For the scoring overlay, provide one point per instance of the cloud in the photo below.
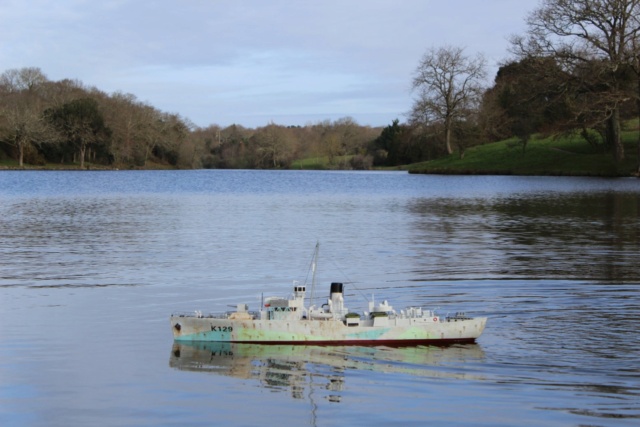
(251, 61)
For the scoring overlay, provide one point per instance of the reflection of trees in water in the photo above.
(561, 236)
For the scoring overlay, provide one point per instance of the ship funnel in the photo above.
(336, 288)
(337, 300)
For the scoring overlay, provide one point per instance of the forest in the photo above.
(65, 123)
(575, 71)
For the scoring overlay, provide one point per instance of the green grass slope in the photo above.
(545, 156)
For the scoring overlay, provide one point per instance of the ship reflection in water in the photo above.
(298, 367)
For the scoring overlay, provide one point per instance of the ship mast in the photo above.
(314, 267)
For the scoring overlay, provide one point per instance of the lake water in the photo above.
(93, 263)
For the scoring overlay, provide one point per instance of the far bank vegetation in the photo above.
(574, 73)
(66, 124)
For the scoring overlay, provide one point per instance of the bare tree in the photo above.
(23, 125)
(21, 108)
(599, 35)
(119, 111)
(22, 79)
(150, 128)
(449, 85)
(274, 146)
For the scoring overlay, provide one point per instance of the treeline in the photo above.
(339, 144)
(67, 123)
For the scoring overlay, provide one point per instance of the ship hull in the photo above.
(327, 332)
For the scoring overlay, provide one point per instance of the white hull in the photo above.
(388, 331)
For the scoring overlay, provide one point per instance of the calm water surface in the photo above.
(93, 263)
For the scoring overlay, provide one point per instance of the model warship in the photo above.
(290, 321)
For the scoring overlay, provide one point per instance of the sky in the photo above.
(253, 62)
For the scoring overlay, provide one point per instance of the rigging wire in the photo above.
(306, 279)
(337, 267)
(348, 280)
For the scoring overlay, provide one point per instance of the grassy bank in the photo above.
(10, 164)
(543, 156)
(569, 156)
